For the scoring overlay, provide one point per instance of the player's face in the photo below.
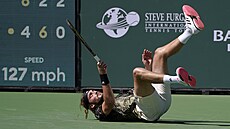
(94, 96)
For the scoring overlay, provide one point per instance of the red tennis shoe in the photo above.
(185, 78)
(192, 19)
(192, 81)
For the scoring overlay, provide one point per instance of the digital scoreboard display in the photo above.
(37, 48)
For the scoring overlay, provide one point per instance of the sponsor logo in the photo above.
(221, 36)
(116, 22)
(164, 22)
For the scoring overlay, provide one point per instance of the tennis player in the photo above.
(151, 96)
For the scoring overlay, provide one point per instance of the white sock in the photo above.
(171, 79)
(185, 36)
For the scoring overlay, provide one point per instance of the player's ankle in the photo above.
(185, 36)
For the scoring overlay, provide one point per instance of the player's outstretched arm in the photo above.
(108, 95)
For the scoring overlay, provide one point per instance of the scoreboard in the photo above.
(37, 48)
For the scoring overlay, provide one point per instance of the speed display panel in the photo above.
(36, 46)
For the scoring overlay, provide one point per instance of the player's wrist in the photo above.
(102, 72)
(104, 79)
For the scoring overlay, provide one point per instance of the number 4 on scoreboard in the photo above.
(26, 32)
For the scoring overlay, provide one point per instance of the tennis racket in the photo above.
(82, 40)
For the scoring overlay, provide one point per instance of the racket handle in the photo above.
(97, 58)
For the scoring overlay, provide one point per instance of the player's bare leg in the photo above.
(158, 74)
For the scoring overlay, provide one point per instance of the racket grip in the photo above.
(97, 58)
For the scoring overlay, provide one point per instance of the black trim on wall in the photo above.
(78, 72)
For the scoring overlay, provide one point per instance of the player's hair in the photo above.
(85, 103)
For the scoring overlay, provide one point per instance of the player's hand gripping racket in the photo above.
(82, 41)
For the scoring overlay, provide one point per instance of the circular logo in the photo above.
(116, 22)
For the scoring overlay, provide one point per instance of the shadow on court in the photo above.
(194, 122)
(180, 122)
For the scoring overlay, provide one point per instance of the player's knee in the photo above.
(137, 72)
(160, 53)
